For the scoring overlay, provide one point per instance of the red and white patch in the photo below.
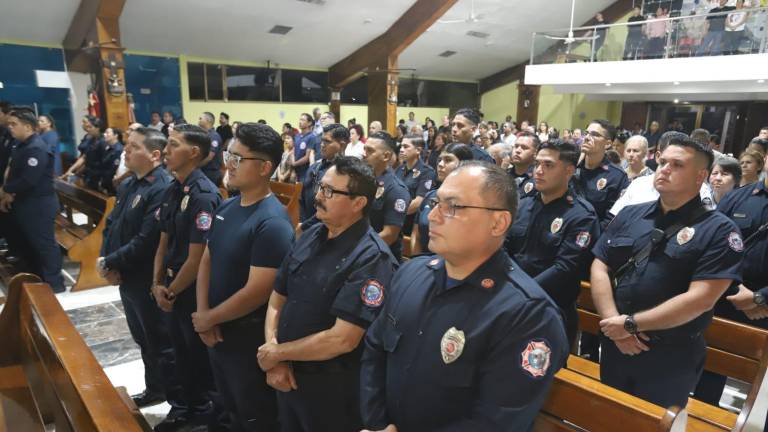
(735, 241)
(582, 239)
(372, 293)
(203, 221)
(487, 283)
(535, 358)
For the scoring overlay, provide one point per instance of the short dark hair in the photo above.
(729, 165)
(622, 136)
(154, 112)
(330, 114)
(700, 135)
(209, 116)
(762, 143)
(153, 138)
(764, 128)
(531, 135)
(470, 114)
(25, 115)
(338, 132)
(697, 147)
(225, 115)
(260, 138)
(50, 120)
(667, 137)
(567, 151)
(95, 122)
(261, 121)
(387, 138)
(362, 181)
(310, 117)
(460, 150)
(498, 183)
(416, 140)
(609, 128)
(196, 136)
(5, 107)
(118, 132)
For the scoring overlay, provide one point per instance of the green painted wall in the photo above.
(498, 103)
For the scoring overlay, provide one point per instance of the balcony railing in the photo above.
(654, 38)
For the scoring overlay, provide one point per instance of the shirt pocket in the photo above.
(620, 250)
(391, 338)
(744, 223)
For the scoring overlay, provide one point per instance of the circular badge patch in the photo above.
(372, 293)
(400, 205)
(32, 162)
(536, 358)
(203, 221)
(735, 242)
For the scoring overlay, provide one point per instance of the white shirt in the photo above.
(356, 150)
(157, 127)
(511, 139)
(641, 190)
(121, 169)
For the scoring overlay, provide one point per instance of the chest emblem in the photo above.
(135, 202)
(372, 293)
(379, 192)
(535, 358)
(452, 345)
(416, 173)
(184, 202)
(735, 242)
(528, 187)
(32, 162)
(556, 225)
(487, 283)
(685, 235)
(601, 183)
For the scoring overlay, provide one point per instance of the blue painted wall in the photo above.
(155, 84)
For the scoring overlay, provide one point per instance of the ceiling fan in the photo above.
(471, 19)
(571, 38)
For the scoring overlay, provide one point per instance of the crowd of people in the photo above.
(246, 321)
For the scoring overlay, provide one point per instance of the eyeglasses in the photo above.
(234, 159)
(448, 210)
(595, 134)
(328, 191)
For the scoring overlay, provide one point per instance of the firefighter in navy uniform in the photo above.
(211, 165)
(554, 231)
(466, 341)
(333, 141)
(130, 240)
(28, 196)
(522, 163)
(185, 217)
(387, 214)
(329, 289)
(416, 175)
(249, 237)
(659, 269)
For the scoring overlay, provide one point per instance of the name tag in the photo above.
(219, 217)
(739, 215)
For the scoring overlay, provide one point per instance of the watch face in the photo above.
(759, 299)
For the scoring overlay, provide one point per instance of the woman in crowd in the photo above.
(725, 176)
(450, 158)
(285, 171)
(543, 132)
(47, 130)
(635, 153)
(436, 147)
(90, 147)
(356, 146)
(751, 164)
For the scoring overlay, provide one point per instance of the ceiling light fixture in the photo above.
(607, 84)
(676, 83)
(676, 101)
(760, 81)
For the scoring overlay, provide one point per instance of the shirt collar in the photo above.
(350, 235)
(603, 164)
(683, 213)
(488, 276)
(193, 177)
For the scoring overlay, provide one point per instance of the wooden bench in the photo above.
(579, 403)
(290, 195)
(733, 349)
(48, 376)
(82, 242)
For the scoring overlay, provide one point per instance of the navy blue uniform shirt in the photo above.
(418, 180)
(324, 279)
(601, 186)
(30, 172)
(473, 355)
(389, 207)
(710, 248)
(303, 143)
(132, 230)
(525, 185)
(479, 153)
(552, 243)
(258, 235)
(6, 143)
(748, 208)
(309, 187)
(105, 167)
(186, 216)
(93, 150)
(213, 168)
(422, 220)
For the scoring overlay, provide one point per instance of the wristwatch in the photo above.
(758, 298)
(630, 325)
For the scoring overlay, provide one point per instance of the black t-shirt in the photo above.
(717, 23)
(258, 235)
(635, 29)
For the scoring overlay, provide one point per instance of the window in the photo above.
(305, 86)
(214, 78)
(253, 84)
(356, 92)
(196, 81)
(422, 93)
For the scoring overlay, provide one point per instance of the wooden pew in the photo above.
(579, 403)
(289, 194)
(48, 376)
(83, 242)
(733, 349)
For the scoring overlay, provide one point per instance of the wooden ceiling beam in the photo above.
(96, 23)
(415, 21)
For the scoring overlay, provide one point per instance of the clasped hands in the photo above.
(626, 342)
(279, 373)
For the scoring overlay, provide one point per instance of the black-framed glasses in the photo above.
(328, 191)
(234, 159)
(448, 209)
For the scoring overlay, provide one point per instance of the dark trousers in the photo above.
(191, 355)
(632, 46)
(34, 218)
(149, 328)
(664, 375)
(324, 401)
(247, 399)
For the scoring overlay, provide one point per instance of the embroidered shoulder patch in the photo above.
(32, 162)
(535, 358)
(400, 205)
(203, 221)
(582, 239)
(735, 242)
(372, 293)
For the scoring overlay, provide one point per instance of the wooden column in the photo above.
(528, 104)
(382, 93)
(92, 45)
(335, 105)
